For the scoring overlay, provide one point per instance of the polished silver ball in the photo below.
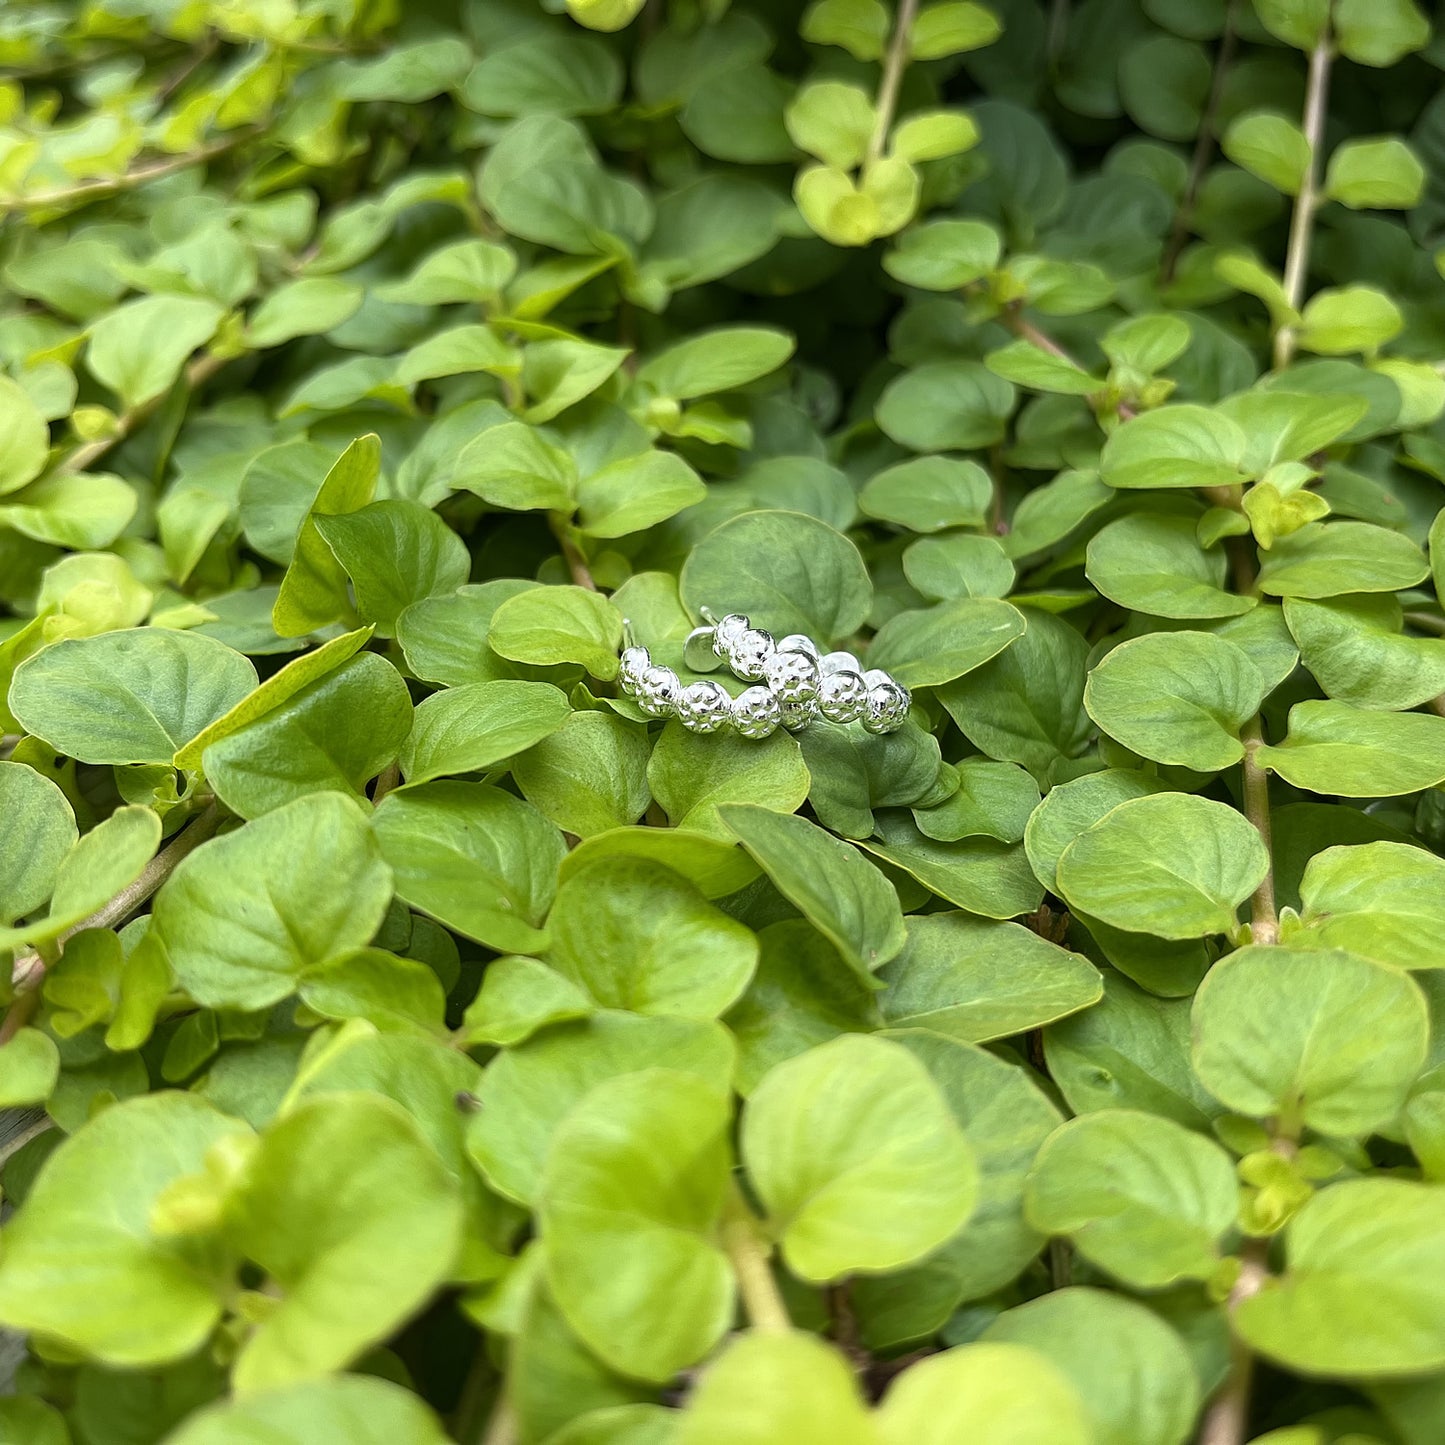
(797, 642)
(887, 708)
(842, 696)
(727, 632)
(748, 653)
(634, 662)
(703, 707)
(838, 662)
(792, 675)
(756, 712)
(657, 691)
(799, 712)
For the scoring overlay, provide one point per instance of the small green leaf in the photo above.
(1338, 321)
(589, 775)
(1139, 1196)
(138, 349)
(471, 728)
(1333, 748)
(1156, 565)
(1177, 697)
(1365, 1249)
(559, 624)
(840, 893)
(1382, 901)
(946, 406)
(29, 1067)
(692, 777)
(630, 933)
(1382, 175)
(24, 438)
(1354, 647)
(630, 1200)
(1379, 32)
(1172, 864)
(1326, 559)
(856, 1158)
(1174, 447)
(937, 645)
(1270, 147)
(41, 832)
(950, 28)
(833, 121)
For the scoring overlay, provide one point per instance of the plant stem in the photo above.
(1302, 224)
(576, 558)
(502, 1427)
(1227, 1419)
(748, 1253)
(1203, 149)
(129, 180)
(1027, 331)
(1426, 623)
(388, 778)
(1263, 915)
(198, 373)
(893, 66)
(29, 968)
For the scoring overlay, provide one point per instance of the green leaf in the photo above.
(692, 777)
(935, 646)
(1333, 748)
(636, 493)
(589, 775)
(630, 933)
(1379, 900)
(1270, 147)
(351, 1214)
(1176, 697)
(833, 121)
(958, 566)
(1381, 175)
(713, 361)
(518, 996)
(999, 1391)
(1368, 1249)
(471, 728)
(32, 849)
(1309, 1037)
(464, 271)
(979, 874)
(455, 352)
(559, 624)
(944, 255)
(974, 980)
(335, 735)
(1355, 649)
(29, 1067)
(1300, 23)
(1379, 32)
(1326, 559)
(107, 859)
(1026, 705)
(839, 892)
(946, 406)
(785, 571)
(307, 878)
(631, 1195)
(138, 349)
(552, 73)
(1025, 363)
(313, 591)
(932, 135)
(854, 771)
(308, 306)
(528, 1090)
(24, 438)
(396, 553)
(856, 1158)
(515, 466)
(1174, 447)
(132, 696)
(1146, 343)
(1074, 806)
(929, 494)
(476, 859)
(1156, 565)
(951, 27)
(361, 1409)
(83, 1260)
(1172, 864)
(278, 689)
(1129, 1051)
(993, 800)
(1131, 1370)
(557, 374)
(861, 27)
(1139, 1196)
(398, 995)
(1338, 321)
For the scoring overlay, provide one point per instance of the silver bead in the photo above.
(797, 642)
(756, 712)
(888, 705)
(842, 696)
(727, 631)
(657, 691)
(633, 663)
(703, 707)
(747, 653)
(793, 676)
(838, 662)
(799, 712)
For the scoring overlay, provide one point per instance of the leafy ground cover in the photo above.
(432, 1046)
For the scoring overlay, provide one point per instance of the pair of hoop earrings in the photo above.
(795, 683)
